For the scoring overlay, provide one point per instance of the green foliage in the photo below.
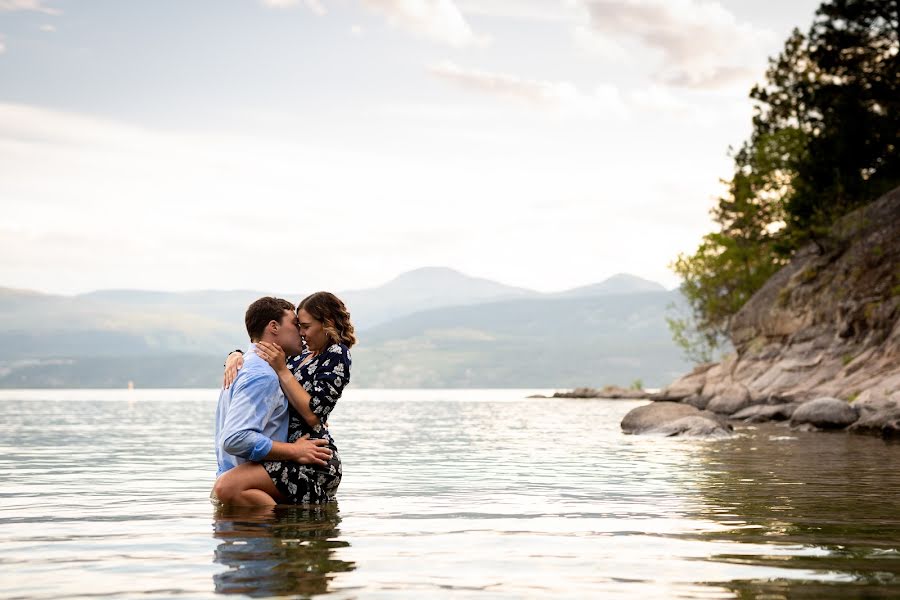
(824, 142)
(637, 384)
(840, 86)
(697, 345)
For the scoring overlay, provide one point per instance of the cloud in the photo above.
(562, 96)
(657, 99)
(314, 5)
(566, 99)
(437, 20)
(528, 10)
(702, 44)
(603, 46)
(48, 28)
(73, 186)
(27, 5)
(2, 45)
(85, 194)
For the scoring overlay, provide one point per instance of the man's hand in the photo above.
(312, 452)
(234, 362)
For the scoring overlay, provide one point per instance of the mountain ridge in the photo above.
(487, 338)
(412, 291)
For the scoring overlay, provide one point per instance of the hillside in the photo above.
(826, 325)
(424, 289)
(473, 333)
(564, 342)
(621, 283)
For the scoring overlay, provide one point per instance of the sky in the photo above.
(334, 144)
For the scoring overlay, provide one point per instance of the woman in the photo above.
(312, 382)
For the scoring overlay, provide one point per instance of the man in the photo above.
(252, 414)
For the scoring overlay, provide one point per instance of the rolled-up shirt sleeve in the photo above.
(247, 416)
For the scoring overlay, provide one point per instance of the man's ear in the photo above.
(272, 327)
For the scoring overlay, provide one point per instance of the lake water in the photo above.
(459, 493)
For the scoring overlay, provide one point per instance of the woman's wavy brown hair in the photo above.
(329, 310)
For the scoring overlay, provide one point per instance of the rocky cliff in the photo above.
(826, 326)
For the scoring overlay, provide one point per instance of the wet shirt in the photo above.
(250, 414)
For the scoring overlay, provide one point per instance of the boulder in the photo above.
(697, 400)
(870, 403)
(693, 426)
(825, 413)
(878, 416)
(731, 400)
(650, 416)
(720, 419)
(717, 379)
(686, 386)
(765, 412)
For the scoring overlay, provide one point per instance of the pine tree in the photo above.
(824, 142)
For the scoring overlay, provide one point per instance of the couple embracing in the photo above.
(272, 440)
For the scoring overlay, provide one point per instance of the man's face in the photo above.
(288, 335)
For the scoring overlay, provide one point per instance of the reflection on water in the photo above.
(445, 495)
(277, 551)
(828, 500)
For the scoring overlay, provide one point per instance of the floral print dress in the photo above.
(323, 377)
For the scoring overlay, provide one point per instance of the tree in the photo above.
(734, 262)
(824, 141)
(840, 85)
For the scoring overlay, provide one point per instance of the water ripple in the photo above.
(445, 493)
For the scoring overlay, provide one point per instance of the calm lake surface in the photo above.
(459, 493)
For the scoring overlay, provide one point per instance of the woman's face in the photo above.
(312, 331)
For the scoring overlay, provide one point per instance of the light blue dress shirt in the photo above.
(251, 414)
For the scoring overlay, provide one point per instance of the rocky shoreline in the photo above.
(817, 346)
(609, 392)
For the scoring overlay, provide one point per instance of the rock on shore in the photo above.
(826, 413)
(613, 392)
(819, 343)
(674, 418)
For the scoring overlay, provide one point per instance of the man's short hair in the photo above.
(262, 312)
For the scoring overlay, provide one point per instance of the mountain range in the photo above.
(432, 327)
